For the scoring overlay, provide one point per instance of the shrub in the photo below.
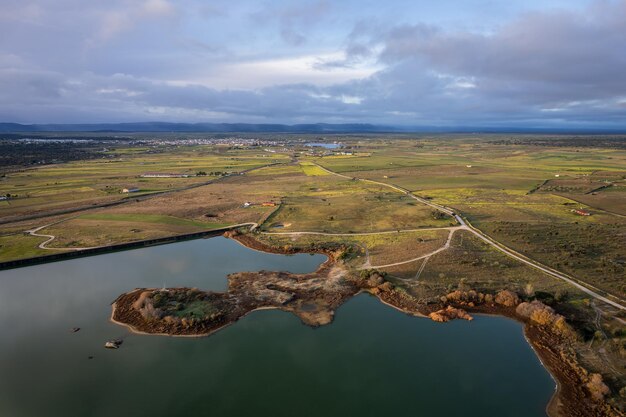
(507, 298)
(543, 315)
(375, 280)
(529, 290)
(528, 308)
(148, 311)
(159, 299)
(597, 387)
(561, 295)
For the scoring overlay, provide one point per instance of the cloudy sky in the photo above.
(530, 63)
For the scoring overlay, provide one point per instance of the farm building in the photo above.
(268, 204)
(130, 190)
(581, 212)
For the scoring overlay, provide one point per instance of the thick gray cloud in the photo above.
(77, 61)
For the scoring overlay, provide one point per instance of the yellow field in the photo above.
(312, 170)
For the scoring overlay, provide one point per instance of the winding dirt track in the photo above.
(43, 245)
(388, 232)
(584, 287)
(428, 255)
(367, 264)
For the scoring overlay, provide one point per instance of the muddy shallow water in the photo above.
(372, 361)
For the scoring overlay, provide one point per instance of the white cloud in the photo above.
(351, 99)
(255, 74)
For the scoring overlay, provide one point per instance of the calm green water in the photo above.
(372, 361)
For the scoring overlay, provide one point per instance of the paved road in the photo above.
(586, 288)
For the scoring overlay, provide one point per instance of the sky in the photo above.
(530, 63)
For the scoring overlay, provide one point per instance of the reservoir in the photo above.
(324, 145)
(371, 361)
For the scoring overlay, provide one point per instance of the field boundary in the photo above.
(125, 200)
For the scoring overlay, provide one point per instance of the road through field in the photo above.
(584, 287)
(388, 232)
(43, 245)
(125, 200)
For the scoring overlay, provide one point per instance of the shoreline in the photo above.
(557, 367)
(569, 398)
(566, 400)
(551, 408)
(134, 330)
(417, 314)
(551, 411)
(117, 247)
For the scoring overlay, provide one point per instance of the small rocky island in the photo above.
(313, 297)
(190, 311)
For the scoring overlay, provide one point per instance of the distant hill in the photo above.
(282, 128)
(196, 127)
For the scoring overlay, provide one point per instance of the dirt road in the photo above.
(464, 224)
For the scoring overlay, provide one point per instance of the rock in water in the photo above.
(113, 344)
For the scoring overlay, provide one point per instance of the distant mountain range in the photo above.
(282, 128)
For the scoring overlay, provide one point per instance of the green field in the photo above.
(20, 246)
(56, 187)
(150, 218)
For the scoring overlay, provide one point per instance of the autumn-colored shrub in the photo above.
(507, 298)
(597, 387)
(537, 311)
(543, 315)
